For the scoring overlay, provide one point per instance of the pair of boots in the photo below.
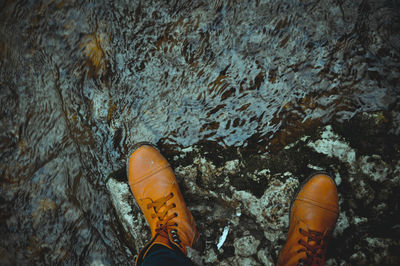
(313, 213)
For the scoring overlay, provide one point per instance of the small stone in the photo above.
(263, 172)
(341, 225)
(231, 167)
(360, 220)
(210, 256)
(194, 256)
(358, 258)
(376, 169)
(363, 191)
(246, 246)
(188, 149)
(208, 172)
(344, 263)
(264, 257)
(338, 179)
(245, 262)
(131, 219)
(331, 262)
(96, 263)
(333, 146)
(272, 209)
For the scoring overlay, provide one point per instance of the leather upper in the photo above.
(312, 219)
(153, 182)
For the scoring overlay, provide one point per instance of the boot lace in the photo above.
(313, 247)
(164, 221)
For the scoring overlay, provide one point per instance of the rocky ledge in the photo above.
(240, 197)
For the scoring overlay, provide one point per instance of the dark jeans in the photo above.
(159, 255)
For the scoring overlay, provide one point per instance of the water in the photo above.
(81, 82)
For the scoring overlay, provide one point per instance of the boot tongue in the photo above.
(162, 239)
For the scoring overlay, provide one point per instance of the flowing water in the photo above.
(81, 81)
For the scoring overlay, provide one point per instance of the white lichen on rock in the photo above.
(130, 217)
(332, 145)
(220, 203)
(374, 167)
(271, 210)
(341, 225)
(264, 257)
(231, 167)
(246, 246)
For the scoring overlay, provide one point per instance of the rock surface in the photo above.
(244, 98)
(227, 194)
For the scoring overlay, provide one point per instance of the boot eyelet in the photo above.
(176, 214)
(172, 194)
(173, 205)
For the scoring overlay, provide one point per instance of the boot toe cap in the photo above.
(322, 189)
(144, 161)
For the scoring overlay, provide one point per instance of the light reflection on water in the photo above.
(81, 82)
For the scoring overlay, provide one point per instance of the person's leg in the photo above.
(161, 255)
(313, 217)
(157, 193)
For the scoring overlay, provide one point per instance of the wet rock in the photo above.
(333, 145)
(363, 191)
(341, 225)
(358, 221)
(130, 216)
(358, 258)
(338, 179)
(209, 173)
(218, 201)
(210, 257)
(231, 167)
(381, 251)
(189, 174)
(264, 258)
(376, 169)
(395, 178)
(331, 262)
(246, 262)
(239, 261)
(246, 246)
(80, 86)
(5, 257)
(271, 211)
(195, 256)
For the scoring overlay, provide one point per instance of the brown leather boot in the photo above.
(313, 217)
(157, 193)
